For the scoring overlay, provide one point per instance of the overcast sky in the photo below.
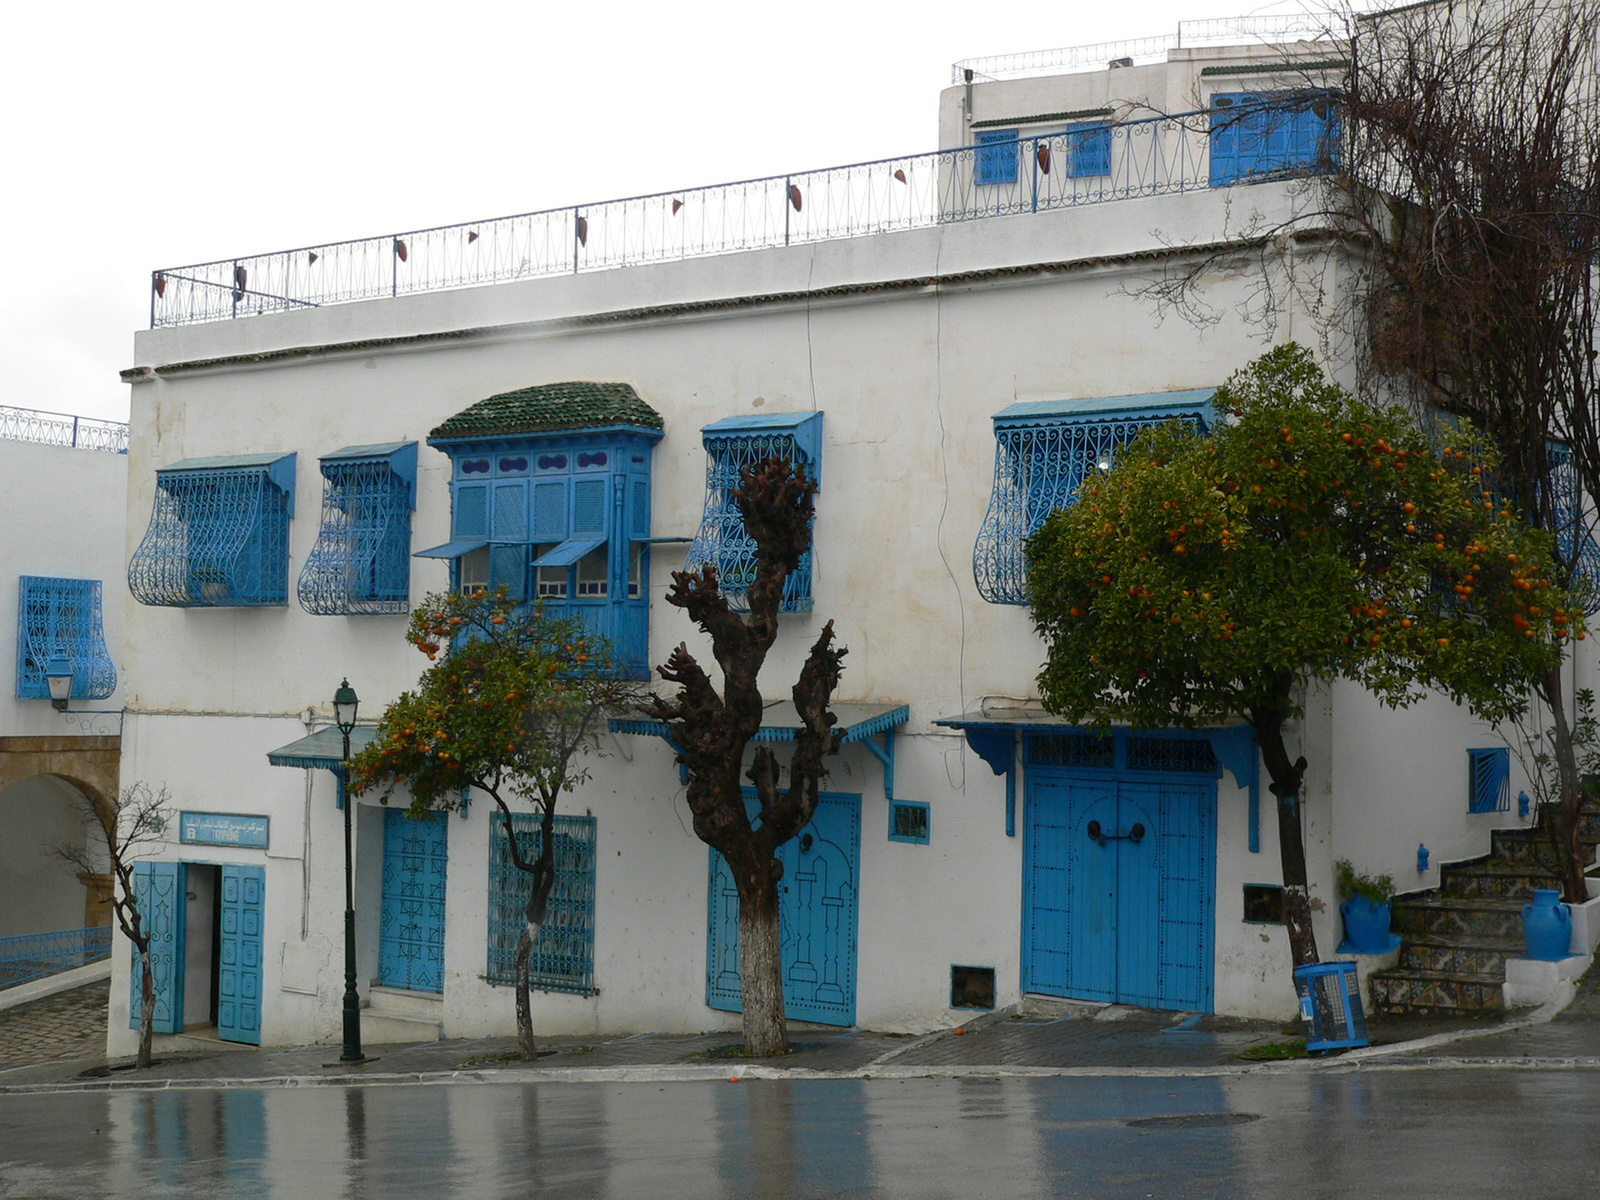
(145, 135)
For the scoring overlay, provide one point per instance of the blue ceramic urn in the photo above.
(1366, 925)
(1546, 925)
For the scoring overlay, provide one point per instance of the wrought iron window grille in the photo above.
(1072, 750)
(909, 821)
(722, 541)
(361, 563)
(1489, 780)
(1044, 451)
(62, 617)
(219, 534)
(563, 955)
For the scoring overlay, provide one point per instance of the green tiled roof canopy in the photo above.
(551, 406)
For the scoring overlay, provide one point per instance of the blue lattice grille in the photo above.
(218, 536)
(1072, 750)
(1489, 780)
(61, 617)
(563, 957)
(1193, 755)
(722, 541)
(1038, 468)
(361, 563)
(1575, 541)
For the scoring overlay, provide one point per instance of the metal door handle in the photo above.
(805, 843)
(1134, 835)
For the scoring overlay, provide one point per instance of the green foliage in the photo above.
(1377, 888)
(1311, 536)
(517, 699)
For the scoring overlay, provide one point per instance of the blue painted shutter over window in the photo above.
(219, 534)
(1090, 150)
(563, 955)
(470, 505)
(1489, 780)
(1262, 134)
(160, 891)
(1043, 452)
(361, 563)
(996, 156)
(722, 542)
(1575, 541)
(62, 617)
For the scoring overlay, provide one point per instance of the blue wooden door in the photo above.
(239, 954)
(411, 930)
(161, 889)
(817, 906)
(1111, 916)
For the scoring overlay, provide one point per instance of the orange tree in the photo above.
(1309, 536)
(518, 699)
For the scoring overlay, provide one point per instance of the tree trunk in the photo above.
(1286, 779)
(1566, 830)
(525, 1042)
(761, 965)
(147, 1007)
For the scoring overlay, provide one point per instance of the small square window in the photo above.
(908, 821)
(552, 581)
(1263, 904)
(972, 987)
(636, 571)
(594, 573)
(474, 570)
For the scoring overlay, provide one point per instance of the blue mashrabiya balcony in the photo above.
(550, 500)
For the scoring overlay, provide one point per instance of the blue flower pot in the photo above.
(1546, 926)
(1366, 925)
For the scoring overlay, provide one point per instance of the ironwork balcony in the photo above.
(34, 955)
(62, 429)
(1149, 157)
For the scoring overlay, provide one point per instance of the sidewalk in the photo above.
(1049, 1037)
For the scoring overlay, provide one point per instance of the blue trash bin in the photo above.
(1330, 1006)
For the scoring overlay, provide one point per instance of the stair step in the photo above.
(1494, 880)
(1524, 845)
(1471, 919)
(1436, 991)
(400, 1002)
(1453, 955)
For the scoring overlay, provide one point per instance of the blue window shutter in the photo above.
(1260, 134)
(550, 510)
(1576, 547)
(509, 521)
(471, 511)
(1090, 150)
(996, 156)
(589, 507)
(160, 890)
(563, 957)
(508, 568)
(62, 617)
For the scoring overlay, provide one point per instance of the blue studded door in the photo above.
(239, 954)
(411, 931)
(1118, 890)
(817, 903)
(159, 889)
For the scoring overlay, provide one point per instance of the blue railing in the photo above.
(62, 429)
(34, 955)
(1133, 158)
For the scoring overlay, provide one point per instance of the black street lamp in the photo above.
(344, 716)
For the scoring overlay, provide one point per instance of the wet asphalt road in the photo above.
(1436, 1133)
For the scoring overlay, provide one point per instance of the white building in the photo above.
(321, 437)
(61, 546)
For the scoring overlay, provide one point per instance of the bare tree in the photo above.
(128, 828)
(714, 729)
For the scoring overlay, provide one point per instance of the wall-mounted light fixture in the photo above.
(58, 674)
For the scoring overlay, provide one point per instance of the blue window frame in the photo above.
(361, 563)
(722, 540)
(1575, 540)
(995, 156)
(563, 957)
(1489, 780)
(1044, 451)
(61, 618)
(561, 517)
(909, 821)
(219, 534)
(1088, 150)
(1256, 135)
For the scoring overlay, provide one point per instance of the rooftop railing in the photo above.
(1220, 31)
(34, 955)
(1084, 164)
(62, 429)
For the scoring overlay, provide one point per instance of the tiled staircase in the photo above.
(1458, 937)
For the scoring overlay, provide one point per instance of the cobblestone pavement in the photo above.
(64, 1026)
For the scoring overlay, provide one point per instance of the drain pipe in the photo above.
(309, 718)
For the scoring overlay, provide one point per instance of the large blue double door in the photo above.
(1119, 889)
(411, 925)
(817, 904)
